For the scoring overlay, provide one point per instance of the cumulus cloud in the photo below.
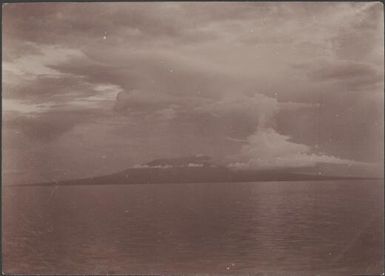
(266, 148)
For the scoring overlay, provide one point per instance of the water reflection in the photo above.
(245, 227)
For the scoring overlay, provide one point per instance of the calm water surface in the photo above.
(328, 227)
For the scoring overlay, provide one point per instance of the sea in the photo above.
(259, 228)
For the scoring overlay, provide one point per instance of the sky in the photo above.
(94, 88)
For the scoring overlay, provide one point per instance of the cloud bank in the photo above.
(124, 83)
(266, 148)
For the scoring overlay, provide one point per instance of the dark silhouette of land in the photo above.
(194, 169)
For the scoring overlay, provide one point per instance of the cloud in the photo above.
(49, 124)
(17, 106)
(168, 113)
(177, 78)
(37, 63)
(257, 108)
(141, 100)
(32, 79)
(44, 128)
(344, 70)
(363, 21)
(49, 88)
(146, 22)
(266, 148)
(354, 75)
(197, 160)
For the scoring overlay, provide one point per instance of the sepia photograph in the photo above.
(193, 138)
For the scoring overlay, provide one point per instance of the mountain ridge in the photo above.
(209, 174)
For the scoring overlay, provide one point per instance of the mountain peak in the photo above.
(198, 160)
